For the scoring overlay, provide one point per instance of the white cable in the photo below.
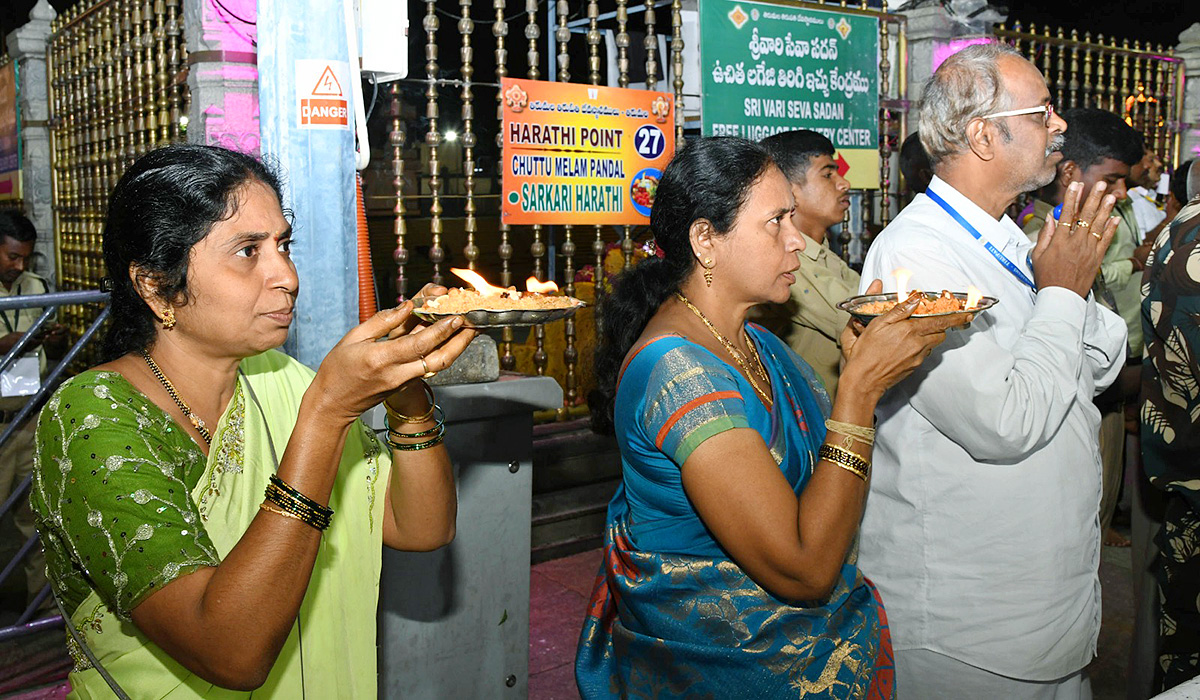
(362, 146)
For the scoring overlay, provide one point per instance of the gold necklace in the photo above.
(196, 420)
(759, 367)
(736, 354)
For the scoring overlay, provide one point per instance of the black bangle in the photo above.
(295, 510)
(289, 490)
(285, 500)
(434, 442)
(270, 508)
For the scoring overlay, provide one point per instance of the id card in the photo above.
(23, 378)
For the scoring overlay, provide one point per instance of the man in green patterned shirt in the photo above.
(1170, 441)
(813, 323)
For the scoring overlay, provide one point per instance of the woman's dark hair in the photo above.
(709, 179)
(165, 203)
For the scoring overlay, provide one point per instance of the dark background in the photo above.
(14, 13)
(1156, 21)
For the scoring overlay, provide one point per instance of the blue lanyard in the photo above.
(1008, 264)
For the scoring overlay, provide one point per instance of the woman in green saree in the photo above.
(182, 577)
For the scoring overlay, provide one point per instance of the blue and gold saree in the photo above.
(671, 614)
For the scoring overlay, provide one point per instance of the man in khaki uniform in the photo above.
(813, 324)
(17, 238)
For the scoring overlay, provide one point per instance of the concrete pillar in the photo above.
(27, 47)
(1189, 50)
(929, 28)
(223, 74)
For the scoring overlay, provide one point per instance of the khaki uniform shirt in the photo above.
(1041, 212)
(822, 281)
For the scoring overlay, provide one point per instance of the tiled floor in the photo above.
(559, 592)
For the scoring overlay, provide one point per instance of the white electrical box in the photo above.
(383, 36)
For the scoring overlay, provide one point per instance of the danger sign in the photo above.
(322, 95)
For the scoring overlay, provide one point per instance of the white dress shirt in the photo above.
(1145, 208)
(981, 528)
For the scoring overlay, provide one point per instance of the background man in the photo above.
(1100, 147)
(17, 237)
(914, 164)
(814, 324)
(980, 529)
(1170, 440)
(1143, 180)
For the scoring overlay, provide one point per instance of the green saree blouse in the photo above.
(127, 502)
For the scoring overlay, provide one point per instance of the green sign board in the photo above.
(767, 67)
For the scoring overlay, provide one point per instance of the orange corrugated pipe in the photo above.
(366, 274)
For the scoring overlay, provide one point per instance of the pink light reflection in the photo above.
(230, 25)
(943, 51)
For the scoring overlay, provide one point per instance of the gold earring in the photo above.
(168, 318)
(708, 265)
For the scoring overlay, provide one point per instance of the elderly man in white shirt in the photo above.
(981, 528)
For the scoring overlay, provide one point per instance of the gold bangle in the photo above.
(851, 462)
(288, 514)
(274, 482)
(851, 432)
(401, 418)
(291, 504)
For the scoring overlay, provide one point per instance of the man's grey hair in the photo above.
(1193, 181)
(967, 86)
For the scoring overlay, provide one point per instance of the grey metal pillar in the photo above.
(929, 27)
(27, 47)
(1189, 50)
(455, 623)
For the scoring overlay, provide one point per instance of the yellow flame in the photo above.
(533, 285)
(902, 276)
(478, 282)
(973, 296)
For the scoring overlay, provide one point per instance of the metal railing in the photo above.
(1141, 83)
(117, 78)
(442, 195)
(49, 303)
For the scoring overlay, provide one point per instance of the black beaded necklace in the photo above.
(196, 420)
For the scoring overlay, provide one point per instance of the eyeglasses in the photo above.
(1047, 109)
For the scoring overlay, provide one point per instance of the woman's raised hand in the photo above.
(383, 354)
(881, 354)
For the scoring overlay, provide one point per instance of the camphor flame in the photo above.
(902, 276)
(973, 296)
(478, 282)
(481, 285)
(532, 285)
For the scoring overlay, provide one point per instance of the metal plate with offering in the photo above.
(487, 306)
(865, 307)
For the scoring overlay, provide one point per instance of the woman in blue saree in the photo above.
(729, 564)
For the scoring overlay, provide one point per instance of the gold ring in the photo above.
(425, 367)
(1096, 234)
(1082, 223)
